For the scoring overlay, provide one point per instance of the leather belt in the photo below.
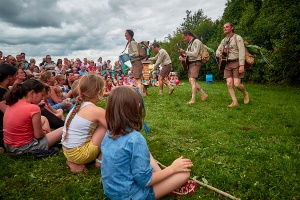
(232, 60)
(190, 62)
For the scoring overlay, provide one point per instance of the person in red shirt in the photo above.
(29, 131)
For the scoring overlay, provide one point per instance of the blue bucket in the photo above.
(209, 78)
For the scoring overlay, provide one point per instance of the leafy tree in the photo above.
(273, 25)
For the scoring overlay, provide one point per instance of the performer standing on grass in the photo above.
(193, 59)
(234, 49)
(162, 57)
(137, 65)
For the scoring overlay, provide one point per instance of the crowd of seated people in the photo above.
(61, 79)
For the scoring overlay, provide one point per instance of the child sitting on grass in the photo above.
(59, 112)
(85, 125)
(59, 93)
(128, 169)
(108, 87)
(25, 130)
(61, 80)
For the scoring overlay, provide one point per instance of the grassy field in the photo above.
(250, 152)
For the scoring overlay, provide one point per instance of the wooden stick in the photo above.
(208, 186)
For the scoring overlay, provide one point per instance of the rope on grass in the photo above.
(208, 186)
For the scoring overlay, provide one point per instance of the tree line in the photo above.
(273, 25)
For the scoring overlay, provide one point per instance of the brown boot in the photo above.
(193, 100)
(246, 98)
(171, 89)
(233, 104)
(204, 96)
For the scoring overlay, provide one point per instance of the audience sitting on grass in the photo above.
(20, 76)
(54, 117)
(92, 67)
(73, 93)
(60, 69)
(85, 125)
(128, 169)
(57, 103)
(30, 131)
(58, 76)
(7, 79)
(59, 112)
(108, 86)
(154, 81)
(83, 70)
(60, 81)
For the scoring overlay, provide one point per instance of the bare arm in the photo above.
(51, 109)
(37, 126)
(69, 94)
(153, 58)
(101, 117)
(54, 96)
(179, 165)
(3, 106)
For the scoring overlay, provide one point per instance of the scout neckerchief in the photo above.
(190, 44)
(226, 46)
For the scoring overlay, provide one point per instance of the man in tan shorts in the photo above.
(192, 54)
(137, 65)
(162, 58)
(233, 48)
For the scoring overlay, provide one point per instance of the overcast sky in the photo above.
(90, 28)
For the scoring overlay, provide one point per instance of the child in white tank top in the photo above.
(85, 125)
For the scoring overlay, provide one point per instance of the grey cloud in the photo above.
(31, 14)
(89, 28)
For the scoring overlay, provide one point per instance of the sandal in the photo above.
(188, 188)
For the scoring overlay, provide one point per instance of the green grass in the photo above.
(250, 152)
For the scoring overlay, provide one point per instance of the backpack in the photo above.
(205, 57)
(249, 58)
(143, 48)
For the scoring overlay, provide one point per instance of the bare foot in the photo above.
(75, 167)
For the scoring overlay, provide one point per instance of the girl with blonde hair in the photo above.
(85, 125)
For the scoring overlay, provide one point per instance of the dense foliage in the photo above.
(271, 24)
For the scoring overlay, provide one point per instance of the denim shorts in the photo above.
(61, 105)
